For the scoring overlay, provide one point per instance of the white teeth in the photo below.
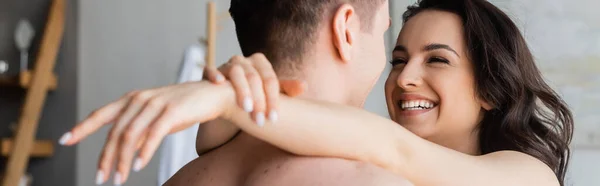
(417, 105)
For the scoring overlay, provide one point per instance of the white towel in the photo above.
(180, 148)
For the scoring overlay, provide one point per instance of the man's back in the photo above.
(247, 161)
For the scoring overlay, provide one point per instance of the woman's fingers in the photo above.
(133, 108)
(156, 133)
(107, 158)
(133, 135)
(141, 142)
(242, 88)
(213, 75)
(97, 119)
(258, 93)
(269, 80)
(236, 70)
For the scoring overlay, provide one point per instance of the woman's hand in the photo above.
(256, 85)
(143, 118)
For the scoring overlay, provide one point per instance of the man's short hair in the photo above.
(285, 29)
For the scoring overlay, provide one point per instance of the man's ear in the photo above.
(345, 28)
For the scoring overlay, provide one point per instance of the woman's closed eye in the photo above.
(401, 61)
(438, 60)
(398, 61)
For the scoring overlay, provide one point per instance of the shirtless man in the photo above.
(335, 46)
(315, 46)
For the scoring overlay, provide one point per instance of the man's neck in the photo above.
(324, 84)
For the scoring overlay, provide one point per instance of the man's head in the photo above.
(339, 41)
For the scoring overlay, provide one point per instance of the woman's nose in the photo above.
(411, 77)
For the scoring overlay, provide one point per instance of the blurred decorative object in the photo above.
(192, 66)
(24, 142)
(211, 33)
(3, 67)
(23, 36)
(26, 180)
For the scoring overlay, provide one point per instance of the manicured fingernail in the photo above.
(273, 117)
(248, 104)
(260, 119)
(220, 78)
(65, 138)
(117, 179)
(137, 165)
(99, 178)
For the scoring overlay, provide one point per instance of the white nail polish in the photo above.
(65, 138)
(260, 119)
(117, 179)
(248, 104)
(137, 165)
(273, 117)
(99, 178)
(220, 78)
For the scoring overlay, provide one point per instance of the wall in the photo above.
(135, 44)
(564, 37)
(60, 108)
(376, 101)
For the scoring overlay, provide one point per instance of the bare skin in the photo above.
(325, 129)
(343, 48)
(248, 161)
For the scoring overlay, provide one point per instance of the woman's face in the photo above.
(431, 88)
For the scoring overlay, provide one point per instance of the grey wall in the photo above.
(135, 44)
(60, 108)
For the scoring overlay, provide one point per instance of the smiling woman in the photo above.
(468, 105)
(464, 79)
(495, 86)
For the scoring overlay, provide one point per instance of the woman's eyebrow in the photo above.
(437, 46)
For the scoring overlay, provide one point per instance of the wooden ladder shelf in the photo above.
(37, 83)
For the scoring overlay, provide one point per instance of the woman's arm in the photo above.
(314, 128)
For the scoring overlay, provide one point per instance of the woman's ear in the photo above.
(485, 105)
(345, 22)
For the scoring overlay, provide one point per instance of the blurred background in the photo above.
(112, 47)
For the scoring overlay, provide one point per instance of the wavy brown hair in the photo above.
(528, 116)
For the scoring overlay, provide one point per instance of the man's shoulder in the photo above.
(331, 171)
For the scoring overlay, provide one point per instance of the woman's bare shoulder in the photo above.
(526, 167)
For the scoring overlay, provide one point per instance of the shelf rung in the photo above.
(40, 148)
(24, 80)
